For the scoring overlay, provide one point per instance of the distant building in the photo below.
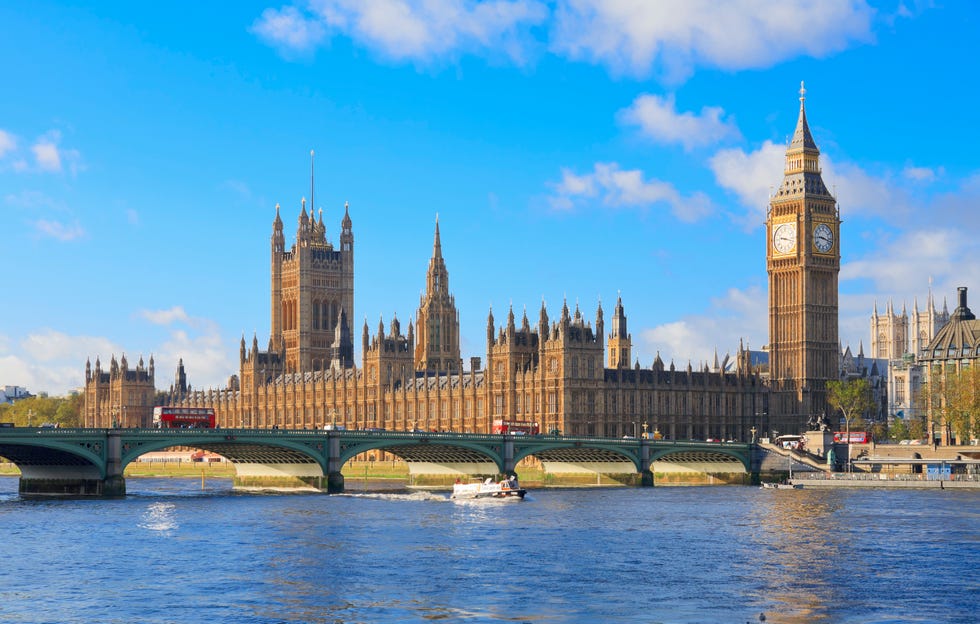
(12, 394)
(954, 348)
(901, 339)
(875, 371)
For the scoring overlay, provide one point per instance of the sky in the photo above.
(572, 150)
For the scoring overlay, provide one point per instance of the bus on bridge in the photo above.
(165, 417)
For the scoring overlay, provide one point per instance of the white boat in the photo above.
(506, 489)
(782, 486)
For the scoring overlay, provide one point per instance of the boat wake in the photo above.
(421, 496)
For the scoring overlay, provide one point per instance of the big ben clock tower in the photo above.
(803, 261)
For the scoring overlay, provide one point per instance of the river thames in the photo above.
(172, 552)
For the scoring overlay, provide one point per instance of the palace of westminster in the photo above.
(563, 372)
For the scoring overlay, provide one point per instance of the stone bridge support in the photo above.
(646, 475)
(508, 456)
(335, 480)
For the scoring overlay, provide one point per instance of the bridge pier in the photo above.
(646, 475)
(77, 480)
(509, 463)
(335, 480)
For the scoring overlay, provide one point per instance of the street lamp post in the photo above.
(645, 426)
(634, 429)
(753, 432)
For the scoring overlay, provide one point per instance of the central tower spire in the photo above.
(437, 320)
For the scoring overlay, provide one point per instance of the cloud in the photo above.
(50, 361)
(54, 362)
(415, 30)
(288, 30)
(739, 314)
(7, 143)
(674, 37)
(615, 187)
(658, 119)
(165, 317)
(58, 230)
(46, 156)
(921, 174)
(751, 176)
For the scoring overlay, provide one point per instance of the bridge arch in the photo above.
(702, 455)
(433, 454)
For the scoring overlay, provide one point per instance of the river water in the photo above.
(172, 552)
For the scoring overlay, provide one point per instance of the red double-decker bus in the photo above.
(165, 417)
(515, 427)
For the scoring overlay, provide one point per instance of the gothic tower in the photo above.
(312, 294)
(437, 342)
(803, 262)
(620, 341)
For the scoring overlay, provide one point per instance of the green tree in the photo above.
(69, 413)
(35, 411)
(852, 398)
(917, 429)
(899, 429)
(962, 399)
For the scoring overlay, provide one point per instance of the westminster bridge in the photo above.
(90, 462)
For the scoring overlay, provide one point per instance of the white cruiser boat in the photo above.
(507, 489)
(782, 486)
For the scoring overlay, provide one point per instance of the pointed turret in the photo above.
(490, 329)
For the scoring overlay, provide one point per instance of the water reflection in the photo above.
(159, 517)
(798, 554)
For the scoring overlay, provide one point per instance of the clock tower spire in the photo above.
(803, 263)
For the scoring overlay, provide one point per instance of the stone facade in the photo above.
(120, 396)
(551, 373)
(803, 263)
(901, 338)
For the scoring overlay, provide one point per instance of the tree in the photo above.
(899, 429)
(851, 398)
(962, 400)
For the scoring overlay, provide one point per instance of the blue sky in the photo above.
(578, 149)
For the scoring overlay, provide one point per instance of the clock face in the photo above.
(823, 238)
(784, 237)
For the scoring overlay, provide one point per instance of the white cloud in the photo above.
(208, 357)
(59, 230)
(901, 266)
(46, 156)
(7, 143)
(165, 317)
(48, 345)
(416, 30)
(739, 314)
(750, 176)
(50, 361)
(659, 120)
(617, 187)
(921, 174)
(635, 37)
(54, 362)
(289, 30)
